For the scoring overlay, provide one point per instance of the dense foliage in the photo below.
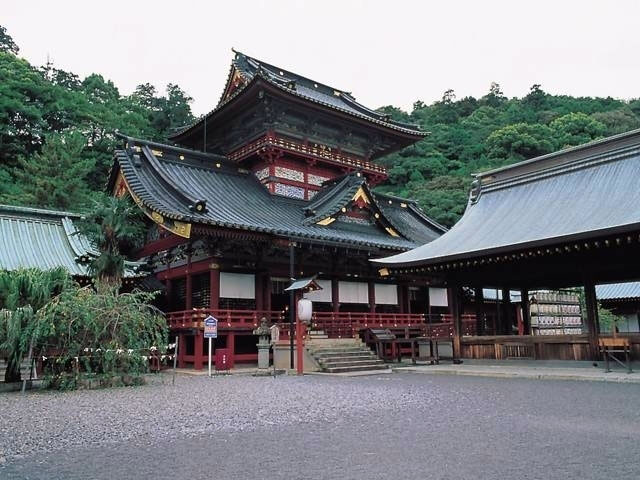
(103, 334)
(115, 226)
(22, 294)
(471, 135)
(53, 121)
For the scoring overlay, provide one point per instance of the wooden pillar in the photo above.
(593, 322)
(267, 292)
(335, 294)
(372, 296)
(182, 349)
(214, 287)
(231, 346)
(189, 290)
(507, 320)
(188, 300)
(401, 299)
(198, 354)
(168, 286)
(479, 307)
(455, 307)
(259, 293)
(497, 324)
(526, 311)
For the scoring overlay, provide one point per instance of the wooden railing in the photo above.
(334, 324)
(248, 319)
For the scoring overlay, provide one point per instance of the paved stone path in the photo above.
(403, 426)
(528, 370)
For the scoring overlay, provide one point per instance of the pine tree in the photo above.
(56, 177)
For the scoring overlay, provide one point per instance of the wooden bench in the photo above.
(612, 345)
(384, 342)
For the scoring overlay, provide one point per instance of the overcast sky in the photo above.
(384, 52)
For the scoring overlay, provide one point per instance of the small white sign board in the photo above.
(210, 327)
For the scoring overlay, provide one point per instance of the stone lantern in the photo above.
(264, 345)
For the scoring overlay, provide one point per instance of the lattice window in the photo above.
(200, 291)
(316, 179)
(262, 174)
(289, 174)
(289, 190)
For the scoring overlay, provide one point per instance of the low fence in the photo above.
(536, 347)
(334, 324)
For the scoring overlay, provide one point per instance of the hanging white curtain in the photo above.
(237, 285)
(323, 295)
(353, 292)
(386, 294)
(438, 297)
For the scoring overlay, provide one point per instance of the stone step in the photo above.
(357, 363)
(355, 353)
(352, 358)
(314, 351)
(362, 368)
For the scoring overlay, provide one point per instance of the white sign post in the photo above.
(210, 331)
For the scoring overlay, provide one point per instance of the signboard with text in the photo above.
(210, 327)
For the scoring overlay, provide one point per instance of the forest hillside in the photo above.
(57, 134)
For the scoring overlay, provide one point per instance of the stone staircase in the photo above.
(343, 355)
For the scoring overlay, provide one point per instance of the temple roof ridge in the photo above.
(236, 199)
(301, 87)
(46, 239)
(568, 196)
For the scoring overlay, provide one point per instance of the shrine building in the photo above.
(275, 182)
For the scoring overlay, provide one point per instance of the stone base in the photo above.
(281, 358)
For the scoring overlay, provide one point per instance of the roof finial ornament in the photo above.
(476, 189)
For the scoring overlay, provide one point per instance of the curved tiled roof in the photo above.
(253, 69)
(45, 239)
(236, 199)
(618, 291)
(579, 193)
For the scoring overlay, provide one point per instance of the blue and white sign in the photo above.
(210, 327)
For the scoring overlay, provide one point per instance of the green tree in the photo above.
(56, 176)
(576, 128)
(520, 141)
(115, 226)
(105, 334)
(22, 294)
(6, 42)
(608, 320)
(22, 106)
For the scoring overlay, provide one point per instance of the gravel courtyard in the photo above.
(403, 426)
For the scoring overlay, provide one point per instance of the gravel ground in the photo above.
(401, 425)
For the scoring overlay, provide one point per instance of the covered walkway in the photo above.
(569, 219)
